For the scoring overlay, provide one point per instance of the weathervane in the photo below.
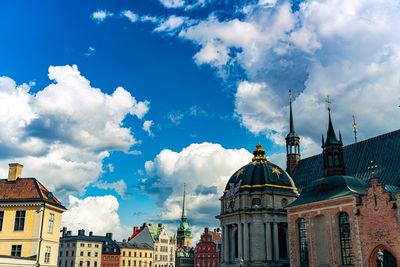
(355, 128)
(329, 103)
(372, 167)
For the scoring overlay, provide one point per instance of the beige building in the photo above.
(158, 238)
(136, 255)
(30, 218)
(80, 250)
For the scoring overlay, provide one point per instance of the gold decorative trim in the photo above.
(266, 185)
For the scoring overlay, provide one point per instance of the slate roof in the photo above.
(330, 187)
(383, 150)
(134, 245)
(26, 190)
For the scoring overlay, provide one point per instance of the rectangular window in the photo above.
(82, 244)
(51, 223)
(16, 250)
(19, 220)
(129, 253)
(81, 263)
(88, 254)
(96, 254)
(47, 252)
(95, 264)
(123, 262)
(135, 254)
(112, 258)
(66, 253)
(89, 245)
(81, 253)
(88, 263)
(129, 263)
(123, 254)
(1, 219)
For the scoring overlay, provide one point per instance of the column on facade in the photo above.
(226, 245)
(246, 241)
(276, 241)
(240, 240)
(269, 241)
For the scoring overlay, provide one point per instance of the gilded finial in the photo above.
(355, 128)
(259, 153)
(372, 167)
(329, 103)
(290, 95)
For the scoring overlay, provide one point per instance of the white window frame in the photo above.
(15, 218)
(50, 226)
(47, 253)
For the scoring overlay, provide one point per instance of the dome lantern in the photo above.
(259, 153)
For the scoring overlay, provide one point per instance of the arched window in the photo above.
(330, 163)
(303, 244)
(336, 160)
(345, 239)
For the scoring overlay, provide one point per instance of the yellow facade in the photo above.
(36, 237)
(136, 257)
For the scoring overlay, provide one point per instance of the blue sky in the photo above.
(143, 96)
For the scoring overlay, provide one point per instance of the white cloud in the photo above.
(101, 15)
(119, 187)
(172, 24)
(172, 3)
(205, 168)
(146, 127)
(96, 214)
(61, 134)
(110, 167)
(130, 15)
(91, 51)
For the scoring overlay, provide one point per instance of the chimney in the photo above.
(69, 233)
(90, 233)
(14, 172)
(206, 230)
(109, 235)
(160, 225)
(64, 231)
(81, 232)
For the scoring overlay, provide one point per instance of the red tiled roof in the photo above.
(24, 189)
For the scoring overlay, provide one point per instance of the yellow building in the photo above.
(135, 255)
(30, 218)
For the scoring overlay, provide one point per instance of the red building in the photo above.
(208, 250)
(110, 255)
(348, 217)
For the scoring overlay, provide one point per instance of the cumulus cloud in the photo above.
(119, 187)
(61, 134)
(348, 50)
(146, 127)
(100, 15)
(96, 214)
(205, 168)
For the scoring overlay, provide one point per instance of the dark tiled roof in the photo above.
(134, 245)
(26, 189)
(329, 187)
(383, 150)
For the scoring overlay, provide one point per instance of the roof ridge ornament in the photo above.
(259, 153)
(372, 167)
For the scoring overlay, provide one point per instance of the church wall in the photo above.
(378, 224)
(330, 210)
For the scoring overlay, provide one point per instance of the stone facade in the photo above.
(368, 232)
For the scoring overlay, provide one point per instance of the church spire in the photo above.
(291, 114)
(292, 142)
(332, 149)
(184, 216)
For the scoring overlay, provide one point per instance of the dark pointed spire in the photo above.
(291, 115)
(184, 216)
(332, 150)
(330, 134)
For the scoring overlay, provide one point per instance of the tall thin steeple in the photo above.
(332, 149)
(184, 216)
(292, 143)
(184, 233)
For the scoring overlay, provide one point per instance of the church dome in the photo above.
(260, 175)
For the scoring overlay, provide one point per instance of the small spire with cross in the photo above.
(329, 103)
(355, 128)
(372, 167)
